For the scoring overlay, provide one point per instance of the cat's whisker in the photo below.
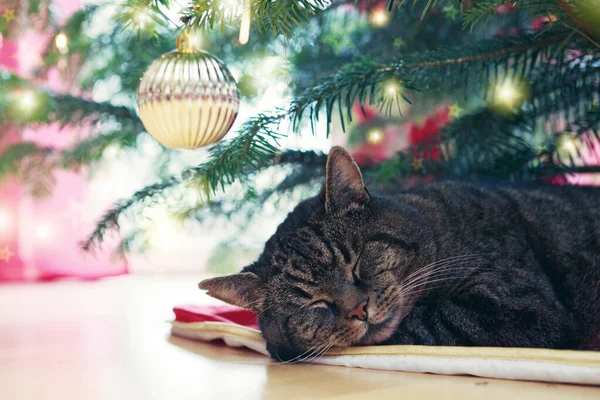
(410, 290)
(447, 270)
(317, 354)
(298, 357)
(314, 354)
(436, 263)
(453, 266)
(444, 262)
(262, 312)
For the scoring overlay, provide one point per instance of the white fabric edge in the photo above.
(231, 341)
(524, 370)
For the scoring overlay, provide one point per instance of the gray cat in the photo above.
(448, 264)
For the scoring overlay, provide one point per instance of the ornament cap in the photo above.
(188, 42)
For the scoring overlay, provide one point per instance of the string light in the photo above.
(141, 19)
(510, 95)
(26, 101)
(375, 136)
(61, 41)
(379, 17)
(392, 87)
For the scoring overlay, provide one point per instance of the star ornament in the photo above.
(455, 110)
(9, 14)
(6, 254)
(399, 42)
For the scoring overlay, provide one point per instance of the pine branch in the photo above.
(252, 150)
(267, 16)
(367, 81)
(110, 220)
(481, 12)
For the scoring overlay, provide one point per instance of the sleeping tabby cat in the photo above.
(444, 264)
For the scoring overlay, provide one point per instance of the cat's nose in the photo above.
(359, 311)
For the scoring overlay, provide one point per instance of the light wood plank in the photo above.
(109, 340)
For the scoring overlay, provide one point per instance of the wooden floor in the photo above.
(109, 340)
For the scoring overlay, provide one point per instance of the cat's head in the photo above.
(331, 274)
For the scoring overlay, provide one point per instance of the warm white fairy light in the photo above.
(25, 100)
(507, 94)
(375, 136)
(379, 17)
(510, 94)
(62, 42)
(392, 88)
(141, 19)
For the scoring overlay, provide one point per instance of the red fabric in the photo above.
(228, 314)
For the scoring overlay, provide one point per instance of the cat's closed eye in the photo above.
(320, 304)
(356, 271)
(356, 274)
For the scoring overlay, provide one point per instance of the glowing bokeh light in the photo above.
(141, 19)
(510, 95)
(379, 17)
(392, 87)
(26, 100)
(375, 136)
(62, 42)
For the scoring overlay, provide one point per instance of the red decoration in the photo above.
(365, 5)
(425, 137)
(540, 22)
(506, 8)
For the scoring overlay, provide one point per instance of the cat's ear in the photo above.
(242, 290)
(344, 187)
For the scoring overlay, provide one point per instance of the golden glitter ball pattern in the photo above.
(187, 98)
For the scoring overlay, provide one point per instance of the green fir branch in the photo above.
(254, 149)
(268, 16)
(366, 80)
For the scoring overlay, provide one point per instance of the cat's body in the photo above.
(444, 264)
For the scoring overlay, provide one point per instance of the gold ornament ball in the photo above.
(187, 98)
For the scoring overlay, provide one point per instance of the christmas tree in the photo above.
(422, 90)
